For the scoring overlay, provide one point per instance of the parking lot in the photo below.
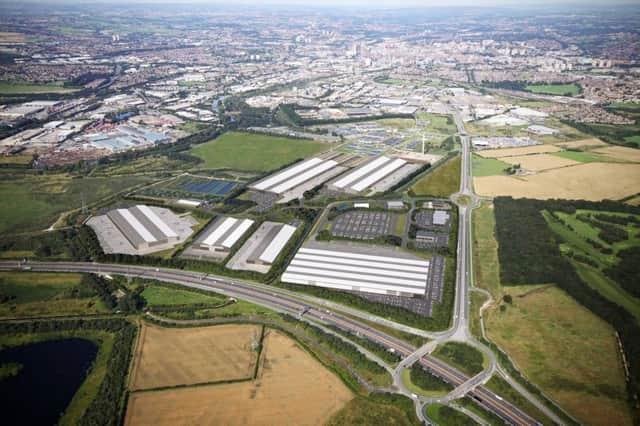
(428, 239)
(435, 279)
(361, 225)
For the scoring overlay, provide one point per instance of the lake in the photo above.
(51, 373)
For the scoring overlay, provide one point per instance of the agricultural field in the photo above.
(441, 182)
(254, 152)
(539, 162)
(46, 294)
(9, 88)
(190, 186)
(37, 201)
(583, 144)
(564, 349)
(554, 89)
(185, 356)
(291, 388)
(589, 181)
(582, 156)
(511, 152)
(620, 153)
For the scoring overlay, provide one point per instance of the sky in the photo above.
(367, 3)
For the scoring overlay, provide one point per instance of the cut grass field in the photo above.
(291, 388)
(441, 182)
(488, 166)
(7, 88)
(554, 89)
(512, 152)
(254, 152)
(31, 294)
(167, 357)
(36, 202)
(564, 349)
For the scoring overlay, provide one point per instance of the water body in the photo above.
(51, 373)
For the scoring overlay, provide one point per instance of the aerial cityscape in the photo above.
(281, 213)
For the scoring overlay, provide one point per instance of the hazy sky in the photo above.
(366, 3)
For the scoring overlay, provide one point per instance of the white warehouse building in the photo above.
(351, 271)
(226, 232)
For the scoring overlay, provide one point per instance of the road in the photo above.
(281, 303)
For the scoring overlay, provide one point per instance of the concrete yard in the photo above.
(362, 225)
(113, 239)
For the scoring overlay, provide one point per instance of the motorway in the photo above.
(281, 303)
(317, 310)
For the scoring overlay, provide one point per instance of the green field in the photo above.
(554, 89)
(486, 266)
(36, 202)
(254, 152)
(443, 181)
(581, 156)
(465, 358)
(447, 416)
(24, 294)
(158, 295)
(575, 233)
(633, 139)
(488, 166)
(7, 88)
(360, 411)
(564, 349)
(436, 123)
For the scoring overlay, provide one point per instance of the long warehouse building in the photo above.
(225, 233)
(350, 271)
(295, 175)
(142, 227)
(368, 174)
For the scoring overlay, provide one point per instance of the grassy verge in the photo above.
(423, 383)
(441, 181)
(504, 389)
(488, 166)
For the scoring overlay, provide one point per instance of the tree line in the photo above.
(529, 254)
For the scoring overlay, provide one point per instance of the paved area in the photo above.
(251, 249)
(361, 225)
(418, 305)
(429, 239)
(435, 279)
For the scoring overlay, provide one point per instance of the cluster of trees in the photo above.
(618, 220)
(427, 381)
(373, 347)
(529, 254)
(608, 233)
(463, 355)
(336, 345)
(627, 272)
(107, 406)
(612, 134)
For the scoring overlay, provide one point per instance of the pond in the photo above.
(51, 372)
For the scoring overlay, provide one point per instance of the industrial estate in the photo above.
(216, 214)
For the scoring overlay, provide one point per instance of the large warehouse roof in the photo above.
(358, 272)
(288, 179)
(287, 173)
(277, 244)
(153, 217)
(370, 173)
(227, 232)
(138, 227)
